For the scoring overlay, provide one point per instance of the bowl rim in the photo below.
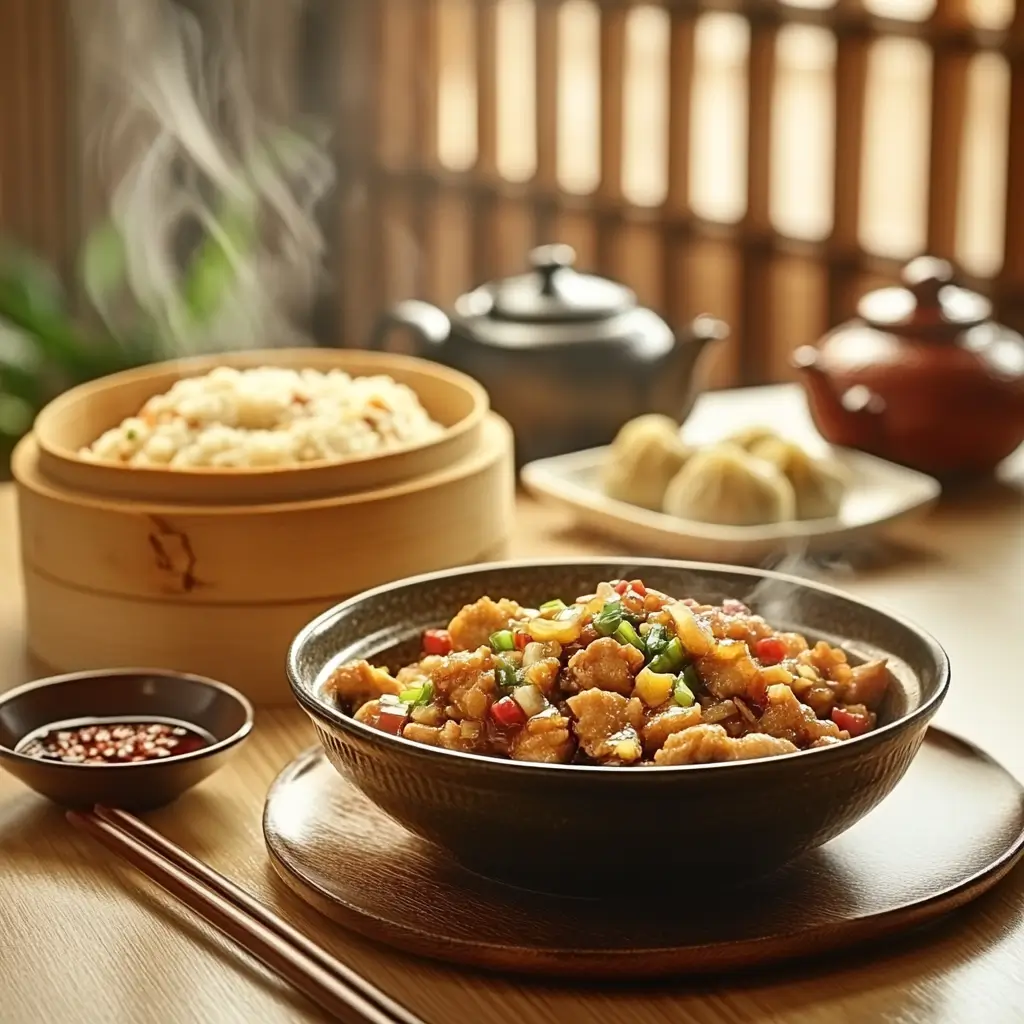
(250, 359)
(316, 707)
(6, 753)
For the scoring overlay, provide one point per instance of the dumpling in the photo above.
(724, 484)
(645, 455)
(819, 484)
(749, 437)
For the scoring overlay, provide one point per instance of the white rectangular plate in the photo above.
(880, 495)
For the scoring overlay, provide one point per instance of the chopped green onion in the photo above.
(656, 639)
(670, 658)
(503, 640)
(693, 680)
(552, 607)
(505, 673)
(628, 635)
(681, 693)
(608, 619)
(417, 694)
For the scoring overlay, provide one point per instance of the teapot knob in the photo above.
(926, 276)
(548, 259)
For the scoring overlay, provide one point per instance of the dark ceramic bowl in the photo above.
(582, 827)
(131, 693)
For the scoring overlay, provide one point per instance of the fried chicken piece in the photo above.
(473, 625)
(704, 744)
(730, 671)
(356, 682)
(545, 738)
(786, 718)
(605, 665)
(607, 725)
(868, 684)
(465, 679)
(664, 723)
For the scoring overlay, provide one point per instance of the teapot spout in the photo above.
(705, 329)
(851, 418)
(430, 326)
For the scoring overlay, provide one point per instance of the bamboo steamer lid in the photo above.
(220, 590)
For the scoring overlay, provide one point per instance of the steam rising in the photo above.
(214, 205)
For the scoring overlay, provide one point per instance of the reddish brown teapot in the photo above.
(922, 376)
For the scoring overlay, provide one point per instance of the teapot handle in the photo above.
(429, 325)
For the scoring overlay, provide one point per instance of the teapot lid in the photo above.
(929, 301)
(554, 292)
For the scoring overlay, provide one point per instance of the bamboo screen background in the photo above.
(759, 160)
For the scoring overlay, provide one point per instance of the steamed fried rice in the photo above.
(267, 416)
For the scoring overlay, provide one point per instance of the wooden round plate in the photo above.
(949, 832)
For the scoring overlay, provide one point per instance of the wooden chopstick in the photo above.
(325, 980)
(235, 894)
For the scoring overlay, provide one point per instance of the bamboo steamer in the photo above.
(79, 416)
(220, 590)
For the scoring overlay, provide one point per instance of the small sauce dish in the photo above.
(129, 738)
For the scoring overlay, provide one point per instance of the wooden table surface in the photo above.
(83, 940)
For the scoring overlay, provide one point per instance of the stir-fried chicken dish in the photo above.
(624, 676)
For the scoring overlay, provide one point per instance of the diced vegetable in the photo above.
(695, 636)
(626, 746)
(437, 641)
(671, 657)
(692, 678)
(505, 673)
(392, 718)
(770, 650)
(417, 695)
(564, 631)
(608, 619)
(549, 609)
(681, 693)
(854, 724)
(507, 713)
(654, 688)
(776, 674)
(534, 652)
(522, 640)
(719, 712)
(620, 586)
(627, 634)
(530, 699)
(503, 640)
(638, 587)
(656, 639)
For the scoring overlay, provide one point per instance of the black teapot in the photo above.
(566, 357)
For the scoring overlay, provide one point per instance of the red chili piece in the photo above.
(855, 725)
(437, 641)
(770, 651)
(638, 588)
(521, 639)
(507, 713)
(392, 719)
(621, 587)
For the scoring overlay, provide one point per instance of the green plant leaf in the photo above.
(16, 416)
(28, 284)
(102, 264)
